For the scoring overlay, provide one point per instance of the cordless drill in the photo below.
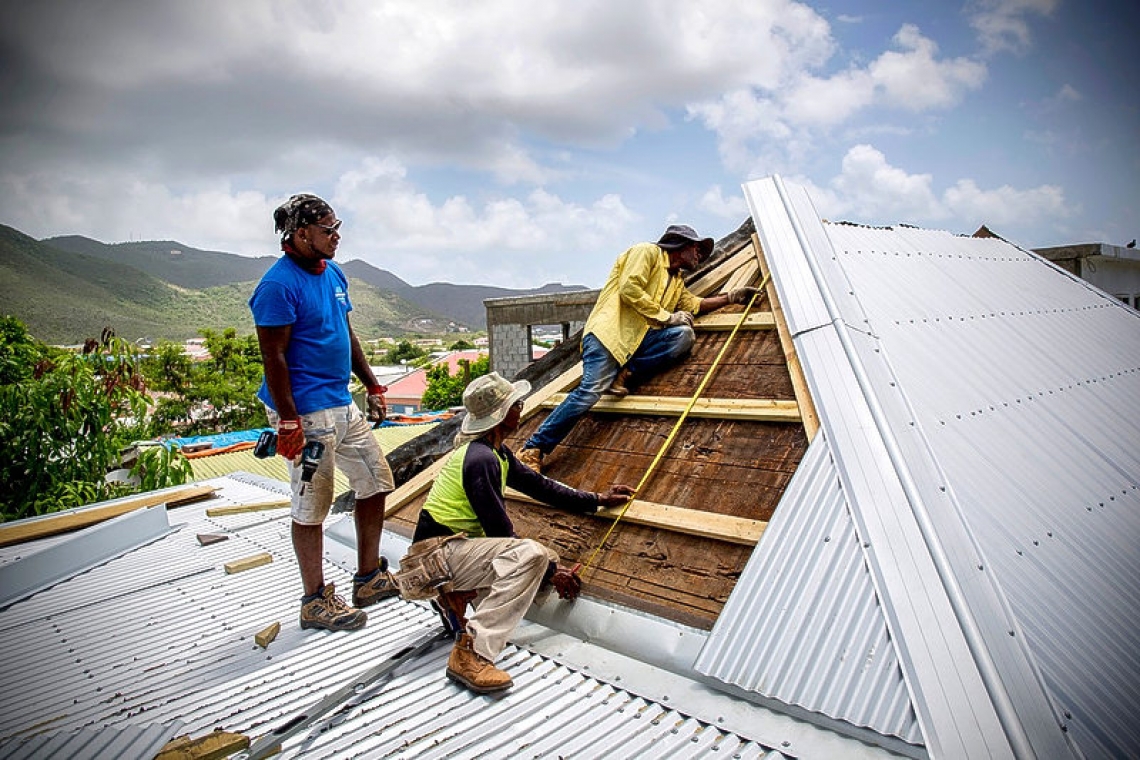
(310, 455)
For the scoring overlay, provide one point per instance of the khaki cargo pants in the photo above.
(506, 573)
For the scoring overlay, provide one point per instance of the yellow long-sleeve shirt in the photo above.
(640, 291)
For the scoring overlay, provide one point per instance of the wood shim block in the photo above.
(205, 539)
(248, 563)
(265, 636)
(692, 522)
(752, 410)
(795, 369)
(212, 746)
(73, 519)
(718, 322)
(239, 509)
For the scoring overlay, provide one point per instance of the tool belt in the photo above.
(423, 571)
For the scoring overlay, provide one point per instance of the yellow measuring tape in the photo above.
(680, 420)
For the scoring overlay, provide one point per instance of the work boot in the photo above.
(380, 586)
(532, 458)
(618, 386)
(330, 612)
(474, 671)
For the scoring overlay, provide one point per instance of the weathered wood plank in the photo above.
(61, 522)
(754, 410)
(799, 383)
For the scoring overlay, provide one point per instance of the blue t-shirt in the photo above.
(319, 353)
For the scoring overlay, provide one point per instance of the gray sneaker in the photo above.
(330, 612)
(382, 586)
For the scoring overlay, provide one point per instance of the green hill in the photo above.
(67, 296)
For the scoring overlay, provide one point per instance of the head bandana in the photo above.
(298, 211)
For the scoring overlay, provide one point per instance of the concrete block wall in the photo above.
(509, 322)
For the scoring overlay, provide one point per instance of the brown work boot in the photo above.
(330, 612)
(532, 458)
(474, 671)
(619, 386)
(380, 586)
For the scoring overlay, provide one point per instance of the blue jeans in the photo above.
(658, 350)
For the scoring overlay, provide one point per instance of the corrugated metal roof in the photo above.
(133, 741)
(162, 634)
(804, 624)
(981, 407)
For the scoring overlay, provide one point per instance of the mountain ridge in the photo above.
(67, 289)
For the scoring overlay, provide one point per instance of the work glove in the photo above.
(678, 318)
(567, 583)
(290, 439)
(742, 295)
(377, 408)
(616, 496)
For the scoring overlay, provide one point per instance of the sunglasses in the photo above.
(329, 229)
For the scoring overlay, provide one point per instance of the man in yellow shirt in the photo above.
(641, 324)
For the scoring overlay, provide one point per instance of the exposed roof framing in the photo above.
(713, 492)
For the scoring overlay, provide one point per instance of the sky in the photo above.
(521, 142)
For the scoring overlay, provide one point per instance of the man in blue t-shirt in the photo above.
(309, 352)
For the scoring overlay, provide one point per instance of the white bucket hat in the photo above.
(488, 398)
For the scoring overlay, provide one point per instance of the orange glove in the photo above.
(290, 439)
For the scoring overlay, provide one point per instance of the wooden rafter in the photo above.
(753, 410)
(799, 383)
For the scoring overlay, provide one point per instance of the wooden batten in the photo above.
(753, 410)
(240, 509)
(692, 522)
(718, 322)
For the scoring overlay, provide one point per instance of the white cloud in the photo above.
(1002, 25)
(714, 202)
(916, 80)
(494, 241)
(1005, 205)
(112, 207)
(765, 130)
(870, 190)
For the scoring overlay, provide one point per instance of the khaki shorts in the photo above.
(349, 446)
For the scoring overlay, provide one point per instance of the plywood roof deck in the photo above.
(716, 466)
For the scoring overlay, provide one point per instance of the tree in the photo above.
(445, 390)
(461, 345)
(404, 352)
(210, 396)
(65, 419)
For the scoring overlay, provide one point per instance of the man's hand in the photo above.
(678, 318)
(567, 583)
(742, 295)
(377, 408)
(617, 495)
(290, 439)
